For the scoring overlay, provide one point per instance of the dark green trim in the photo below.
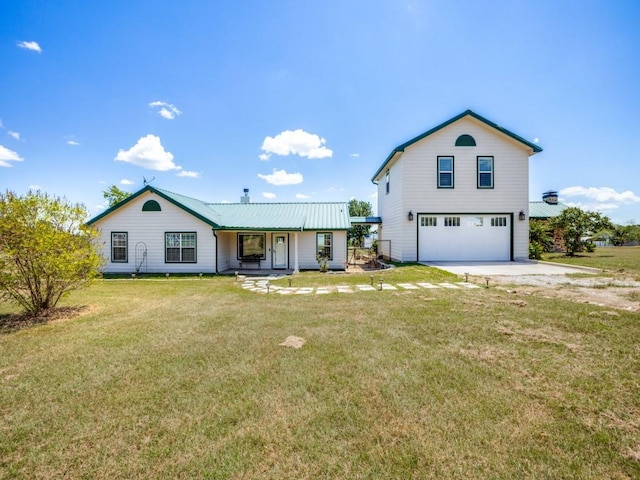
(453, 171)
(195, 253)
(400, 148)
(465, 140)
(149, 188)
(126, 248)
(493, 172)
(151, 206)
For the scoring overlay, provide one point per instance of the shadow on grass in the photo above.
(14, 322)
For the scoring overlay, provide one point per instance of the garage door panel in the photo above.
(464, 237)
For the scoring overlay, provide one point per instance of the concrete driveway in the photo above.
(509, 268)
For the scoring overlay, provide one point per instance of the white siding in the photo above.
(420, 194)
(392, 211)
(150, 228)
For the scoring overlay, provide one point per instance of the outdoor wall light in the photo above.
(521, 215)
(410, 216)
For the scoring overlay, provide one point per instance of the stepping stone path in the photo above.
(263, 286)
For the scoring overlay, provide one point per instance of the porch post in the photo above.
(296, 267)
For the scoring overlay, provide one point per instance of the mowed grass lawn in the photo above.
(185, 378)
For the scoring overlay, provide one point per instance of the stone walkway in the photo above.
(264, 286)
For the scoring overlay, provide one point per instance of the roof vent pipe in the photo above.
(245, 198)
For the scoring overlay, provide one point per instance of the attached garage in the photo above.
(468, 237)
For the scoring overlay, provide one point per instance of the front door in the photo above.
(279, 251)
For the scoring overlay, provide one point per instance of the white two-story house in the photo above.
(458, 192)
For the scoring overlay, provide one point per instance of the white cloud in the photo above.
(265, 157)
(297, 142)
(35, 187)
(33, 46)
(73, 143)
(148, 153)
(354, 155)
(281, 177)
(15, 135)
(601, 194)
(269, 195)
(188, 174)
(302, 196)
(167, 110)
(126, 181)
(7, 156)
(593, 206)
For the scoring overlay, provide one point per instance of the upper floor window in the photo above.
(445, 172)
(180, 247)
(386, 181)
(119, 247)
(485, 172)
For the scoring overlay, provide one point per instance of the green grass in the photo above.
(610, 259)
(184, 378)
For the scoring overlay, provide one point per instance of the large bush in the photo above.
(46, 250)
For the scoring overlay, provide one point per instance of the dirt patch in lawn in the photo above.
(620, 292)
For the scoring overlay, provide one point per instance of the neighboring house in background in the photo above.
(458, 192)
(156, 231)
(548, 208)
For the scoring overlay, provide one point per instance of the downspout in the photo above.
(213, 230)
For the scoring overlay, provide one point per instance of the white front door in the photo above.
(279, 249)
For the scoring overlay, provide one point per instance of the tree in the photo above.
(540, 239)
(358, 208)
(576, 224)
(114, 195)
(46, 250)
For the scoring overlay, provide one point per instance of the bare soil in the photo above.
(620, 291)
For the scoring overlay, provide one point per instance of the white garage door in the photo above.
(454, 237)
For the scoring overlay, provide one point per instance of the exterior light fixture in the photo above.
(521, 215)
(410, 216)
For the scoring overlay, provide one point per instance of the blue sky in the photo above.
(304, 100)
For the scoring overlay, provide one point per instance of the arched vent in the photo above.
(465, 141)
(151, 206)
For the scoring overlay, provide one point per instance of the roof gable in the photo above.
(252, 216)
(401, 148)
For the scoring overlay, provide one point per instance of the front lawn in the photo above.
(185, 378)
(610, 259)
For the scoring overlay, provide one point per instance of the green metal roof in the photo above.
(545, 210)
(253, 216)
(365, 220)
(400, 148)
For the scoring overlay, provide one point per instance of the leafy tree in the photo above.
(46, 250)
(114, 195)
(358, 208)
(621, 234)
(577, 224)
(540, 239)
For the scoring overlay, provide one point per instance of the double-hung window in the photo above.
(325, 245)
(119, 247)
(387, 182)
(445, 172)
(180, 247)
(485, 172)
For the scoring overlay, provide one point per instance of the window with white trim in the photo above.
(445, 172)
(428, 221)
(499, 221)
(325, 245)
(180, 247)
(485, 172)
(451, 221)
(119, 247)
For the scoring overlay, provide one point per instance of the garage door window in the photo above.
(451, 221)
(428, 221)
(499, 222)
(445, 172)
